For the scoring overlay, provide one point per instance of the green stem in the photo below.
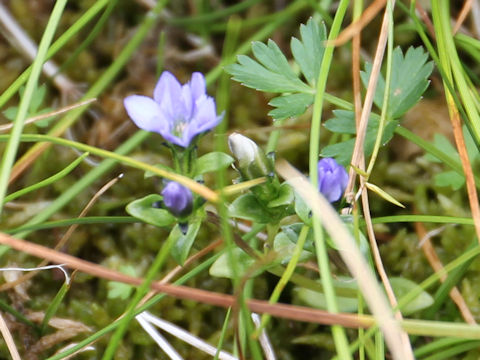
(340, 338)
(139, 294)
(14, 136)
(287, 274)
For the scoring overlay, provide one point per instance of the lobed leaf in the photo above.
(409, 81)
(308, 53)
(344, 123)
(291, 105)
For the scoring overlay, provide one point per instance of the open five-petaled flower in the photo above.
(177, 112)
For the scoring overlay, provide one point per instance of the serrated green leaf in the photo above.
(249, 208)
(344, 123)
(212, 161)
(183, 244)
(402, 286)
(308, 53)
(272, 58)
(254, 75)
(144, 210)
(291, 105)
(409, 81)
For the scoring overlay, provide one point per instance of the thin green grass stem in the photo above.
(285, 278)
(209, 17)
(66, 197)
(107, 77)
(141, 291)
(339, 335)
(14, 136)
(91, 36)
(63, 39)
(50, 180)
(87, 220)
(154, 300)
(112, 155)
(223, 333)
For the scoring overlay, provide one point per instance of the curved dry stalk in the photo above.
(292, 312)
(437, 266)
(65, 237)
(396, 338)
(7, 336)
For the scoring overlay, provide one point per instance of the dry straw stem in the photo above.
(466, 165)
(65, 237)
(354, 260)
(359, 162)
(7, 336)
(64, 109)
(357, 26)
(437, 266)
(291, 312)
(467, 6)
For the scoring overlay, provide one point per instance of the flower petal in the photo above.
(197, 85)
(205, 118)
(143, 111)
(167, 93)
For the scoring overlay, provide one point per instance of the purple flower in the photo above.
(177, 112)
(332, 179)
(177, 199)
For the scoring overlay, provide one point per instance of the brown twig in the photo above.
(437, 266)
(467, 6)
(292, 312)
(357, 26)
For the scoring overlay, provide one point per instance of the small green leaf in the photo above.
(317, 299)
(11, 113)
(291, 105)
(272, 74)
(344, 123)
(409, 81)
(213, 161)
(249, 208)
(303, 210)
(308, 53)
(285, 248)
(449, 178)
(285, 196)
(222, 267)
(402, 286)
(184, 242)
(119, 290)
(144, 210)
(272, 58)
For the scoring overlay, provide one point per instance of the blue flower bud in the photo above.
(177, 199)
(332, 179)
